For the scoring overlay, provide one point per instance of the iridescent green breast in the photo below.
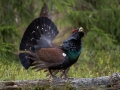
(73, 55)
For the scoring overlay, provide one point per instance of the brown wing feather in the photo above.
(47, 57)
(50, 55)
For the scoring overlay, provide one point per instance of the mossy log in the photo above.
(105, 82)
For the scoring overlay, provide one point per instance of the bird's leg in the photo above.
(64, 73)
(55, 72)
(53, 76)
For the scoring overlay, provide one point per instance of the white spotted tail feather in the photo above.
(39, 34)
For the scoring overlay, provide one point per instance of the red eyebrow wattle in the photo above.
(74, 30)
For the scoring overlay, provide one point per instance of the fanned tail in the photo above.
(39, 34)
(26, 60)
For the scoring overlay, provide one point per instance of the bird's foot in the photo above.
(53, 77)
(68, 78)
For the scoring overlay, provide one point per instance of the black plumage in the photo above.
(39, 34)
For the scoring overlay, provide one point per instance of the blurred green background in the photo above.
(101, 22)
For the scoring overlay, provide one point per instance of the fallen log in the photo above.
(106, 82)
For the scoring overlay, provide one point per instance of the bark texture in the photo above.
(105, 82)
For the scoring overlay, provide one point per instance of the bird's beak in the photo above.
(80, 29)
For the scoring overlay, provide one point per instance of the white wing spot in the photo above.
(33, 31)
(26, 57)
(52, 31)
(64, 54)
(31, 39)
(30, 48)
(37, 27)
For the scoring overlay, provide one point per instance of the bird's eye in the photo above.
(74, 31)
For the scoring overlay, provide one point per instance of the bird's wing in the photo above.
(51, 55)
(48, 57)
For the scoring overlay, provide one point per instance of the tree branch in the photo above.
(109, 82)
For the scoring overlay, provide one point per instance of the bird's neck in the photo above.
(73, 55)
(72, 49)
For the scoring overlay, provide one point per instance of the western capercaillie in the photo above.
(39, 51)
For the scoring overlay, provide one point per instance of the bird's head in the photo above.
(74, 41)
(77, 34)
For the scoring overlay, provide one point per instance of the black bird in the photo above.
(42, 54)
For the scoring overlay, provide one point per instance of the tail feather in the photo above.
(41, 31)
(25, 60)
(39, 34)
(44, 11)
